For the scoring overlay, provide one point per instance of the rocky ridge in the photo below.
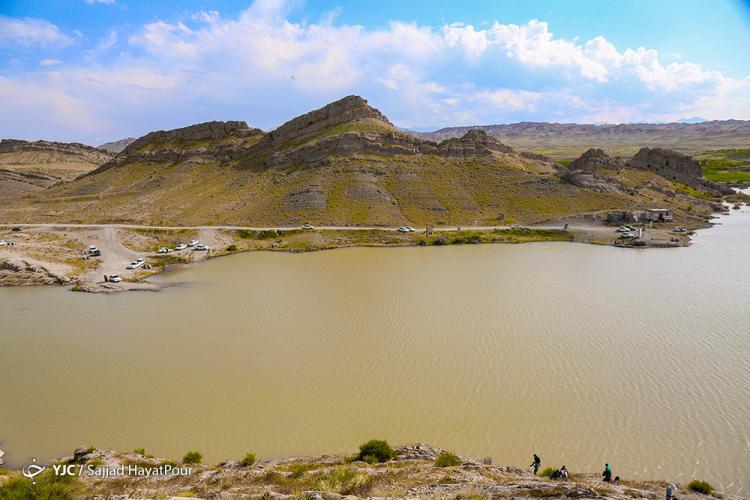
(676, 166)
(411, 474)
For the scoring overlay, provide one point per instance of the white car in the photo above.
(179, 247)
(410, 229)
(307, 227)
(624, 229)
(680, 229)
(514, 226)
(165, 250)
(402, 229)
(628, 234)
(3, 243)
(114, 278)
(192, 243)
(201, 248)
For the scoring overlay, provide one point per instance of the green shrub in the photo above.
(375, 451)
(249, 459)
(263, 235)
(447, 459)
(344, 481)
(48, 486)
(232, 248)
(700, 487)
(547, 472)
(298, 469)
(192, 457)
(140, 451)
(245, 234)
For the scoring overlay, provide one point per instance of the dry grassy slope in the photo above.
(63, 161)
(366, 190)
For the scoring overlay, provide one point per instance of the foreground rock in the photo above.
(411, 474)
(676, 166)
(23, 272)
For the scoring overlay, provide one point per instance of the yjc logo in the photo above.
(32, 470)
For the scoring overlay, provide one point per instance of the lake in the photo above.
(582, 354)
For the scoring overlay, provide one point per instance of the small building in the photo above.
(621, 216)
(659, 215)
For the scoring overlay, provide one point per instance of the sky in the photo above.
(92, 71)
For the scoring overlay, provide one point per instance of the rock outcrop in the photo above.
(594, 182)
(115, 147)
(347, 109)
(595, 158)
(209, 130)
(25, 273)
(678, 167)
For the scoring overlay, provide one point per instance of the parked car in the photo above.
(410, 229)
(514, 226)
(135, 265)
(192, 243)
(201, 248)
(307, 227)
(628, 234)
(680, 229)
(402, 229)
(623, 229)
(179, 247)
(165, 250)
(3, 243)
(114, 278)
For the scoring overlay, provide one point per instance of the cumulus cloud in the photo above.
(262, 67)
(30, 32)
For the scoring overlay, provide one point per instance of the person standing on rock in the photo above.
(607, 473)
(536, 463)
(670, 492)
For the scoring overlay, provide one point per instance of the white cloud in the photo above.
(107, 2)
(29, 32)
(49, 62)
(214, 67)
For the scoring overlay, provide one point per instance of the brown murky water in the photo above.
(582, 354)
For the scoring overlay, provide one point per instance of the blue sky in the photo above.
(97, 70)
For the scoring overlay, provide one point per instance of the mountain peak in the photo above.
(347, 109)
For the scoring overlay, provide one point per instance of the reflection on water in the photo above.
(582, 354)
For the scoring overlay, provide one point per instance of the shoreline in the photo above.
(411, 471)
(43, 254)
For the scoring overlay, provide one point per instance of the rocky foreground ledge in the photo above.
(412, 473)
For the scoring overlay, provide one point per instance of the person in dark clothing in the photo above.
(607, 474)
(536, 464)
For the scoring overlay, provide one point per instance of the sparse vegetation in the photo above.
(447, 459)
(248, 460)
(701, 487)
(232, 248)
(375, 451)
(726, 169)
(192, 457)
(547, 472)
(344, 481)
(48, 486)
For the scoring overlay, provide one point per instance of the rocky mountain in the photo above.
(342, 164)
(115, 147)
(567, 140)
(30, 166)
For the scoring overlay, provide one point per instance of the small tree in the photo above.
(547, 472)
(375, 451)
(248, 460)
(192, 457)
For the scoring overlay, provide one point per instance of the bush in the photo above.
(344, 481)
(47, 486)
(447, 459)
(700, 487)
(140, 451)
(232, 248)
(263, 235)
(249, 459)
(547, 472)
(375, 451)
(298, 469)
(16, 229)
(192, 457)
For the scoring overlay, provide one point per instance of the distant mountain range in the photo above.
(568, 140)
(117, 146)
